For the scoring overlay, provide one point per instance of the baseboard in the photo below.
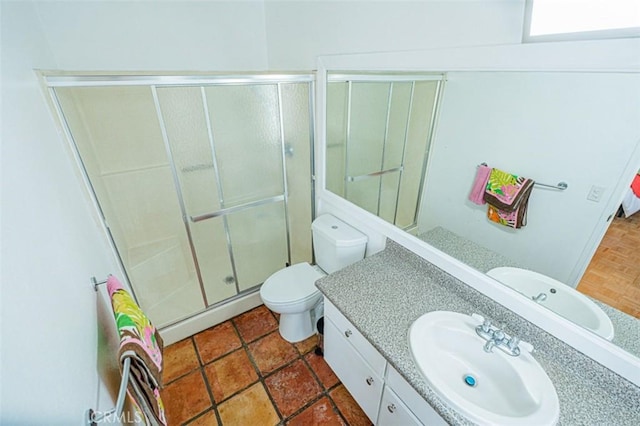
(209, 318)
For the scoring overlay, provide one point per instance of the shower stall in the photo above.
(203, 182)
(379, 132)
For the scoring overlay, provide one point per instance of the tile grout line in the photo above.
(213, 406)
(261, 377)
(300, 357)
(326, 391)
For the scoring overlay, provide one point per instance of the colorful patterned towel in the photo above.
(139, 341)
(508, 198)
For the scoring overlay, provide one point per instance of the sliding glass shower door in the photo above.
(205, 189)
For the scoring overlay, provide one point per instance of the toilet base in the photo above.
(296, 327)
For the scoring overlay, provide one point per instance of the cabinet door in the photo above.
(393, 412)
(364, 385)
(412, 400)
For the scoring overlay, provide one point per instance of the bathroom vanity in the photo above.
(384, 396)
(369, 309)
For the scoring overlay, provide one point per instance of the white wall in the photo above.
(299, 31)
(580, 128)
(151, 35)
(51, 246)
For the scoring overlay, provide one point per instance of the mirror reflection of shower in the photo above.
(531, 122)
(379, 131)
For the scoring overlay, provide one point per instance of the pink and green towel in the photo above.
(139, 341)
(507, 196)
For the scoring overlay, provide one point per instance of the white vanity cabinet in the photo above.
(358, 365)
(384, 396)
(393, 412)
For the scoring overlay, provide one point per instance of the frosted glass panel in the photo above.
(122, 126)
(156, 218)
(185, 123)
(118, 136)
(259, 242)
(367, 129)
(245, 121)
(336, 152)
(297, 136)
(397, 126)
(365, 193)
(417, 149)
(389, 196)
(210, 242)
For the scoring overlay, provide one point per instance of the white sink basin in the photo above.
(508, 390)
(558, 297)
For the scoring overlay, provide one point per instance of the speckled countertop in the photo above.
(627, 328)
(383, 294)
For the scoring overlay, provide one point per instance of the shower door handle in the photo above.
(235, 209)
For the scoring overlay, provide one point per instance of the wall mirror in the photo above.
(551, 125)
(381, 135)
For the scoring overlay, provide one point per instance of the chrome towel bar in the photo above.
(560, 186)
(92, 418)
(96, 283)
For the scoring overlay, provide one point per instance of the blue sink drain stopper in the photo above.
(470, 380)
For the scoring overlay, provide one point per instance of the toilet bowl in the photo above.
(291, 291)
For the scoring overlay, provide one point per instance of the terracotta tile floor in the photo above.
(241, 372)
(613, 276)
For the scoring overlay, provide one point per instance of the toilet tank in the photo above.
(336, 244)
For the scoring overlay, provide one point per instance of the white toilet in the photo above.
(291, 291)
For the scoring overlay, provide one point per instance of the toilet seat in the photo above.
(294, 284)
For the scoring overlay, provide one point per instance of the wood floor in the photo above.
(613, 276)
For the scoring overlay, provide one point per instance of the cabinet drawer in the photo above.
(364, 385)
(362, 345)
(393, 412)
(412, 399)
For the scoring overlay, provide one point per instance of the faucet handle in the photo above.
(486, 325)
(513, 343)
(526, 346)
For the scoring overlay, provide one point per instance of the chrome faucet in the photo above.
(540, 298)
(496, 338)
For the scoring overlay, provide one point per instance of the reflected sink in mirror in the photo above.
(558, 297)
(487, 387)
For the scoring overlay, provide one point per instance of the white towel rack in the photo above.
(96, 283)
(92, 418)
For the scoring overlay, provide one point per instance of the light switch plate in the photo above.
(595, 194)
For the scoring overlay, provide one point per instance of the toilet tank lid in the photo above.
(342, 234)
